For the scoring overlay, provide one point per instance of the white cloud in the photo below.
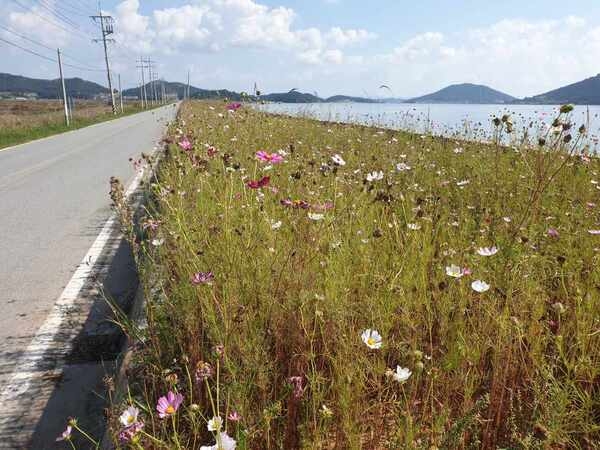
(34, 25)
(222, 24)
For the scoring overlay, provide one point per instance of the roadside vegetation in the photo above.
(328, 286)
(24, 121)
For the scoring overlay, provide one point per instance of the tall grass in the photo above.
(257, 296)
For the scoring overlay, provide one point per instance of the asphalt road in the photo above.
(53, 203)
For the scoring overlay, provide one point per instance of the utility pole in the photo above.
(106, 27)
(120, 94)
(187, 91)
(64, 90)
(143, 94)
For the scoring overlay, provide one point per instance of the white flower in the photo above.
(454, 271)
(374, 176)
(158, 242)
(215, 424)
(458, 150)
(371, 338)
(413, 226)
(225, 442)
(594, 232)
(487, 251)
(337, 159)
(401, 374)
(315, 216)
(507, 219)
(480, 286)
(129, 416)
(462, 183)
(275, 225)
(326, 411)
(401, 167)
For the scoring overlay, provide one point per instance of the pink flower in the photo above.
(466, 271)
(553, 232)
(202, 277)
(128, 433)
(594, 232)
(185, 144)
(273, 158)
(296, 204)
(298, 383)
(325, 206)
(234, 416)
(65, 435)
(234, 106)
(168, 405)
(264, 181)
(211, 151)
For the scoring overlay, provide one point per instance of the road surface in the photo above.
(53, 204)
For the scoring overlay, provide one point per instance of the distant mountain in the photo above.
(180, 90)
(49, 89)
(465, 93)
(292, 96)
(349, 99)
(586, 92)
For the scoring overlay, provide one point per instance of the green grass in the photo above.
(517, 366)
(18, 135)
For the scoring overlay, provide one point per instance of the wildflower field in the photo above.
(325, 286)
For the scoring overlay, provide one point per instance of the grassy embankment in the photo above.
(259, 290)
(24, 121)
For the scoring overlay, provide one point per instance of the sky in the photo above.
(521, 47)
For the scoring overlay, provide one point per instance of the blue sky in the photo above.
(327, 46)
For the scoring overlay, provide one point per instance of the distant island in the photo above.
(465, 93)
(585, 92)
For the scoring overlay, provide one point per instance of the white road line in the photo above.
(27, 366)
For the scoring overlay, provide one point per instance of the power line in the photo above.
(52, 49)
(33, 52)
(46, 19)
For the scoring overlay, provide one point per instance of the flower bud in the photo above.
(565, 109)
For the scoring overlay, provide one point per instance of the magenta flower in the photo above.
(168, 405)
(202, 278)
(264, 181)
(185, 144)
(234, 106)
(273, 158)
(553, 232)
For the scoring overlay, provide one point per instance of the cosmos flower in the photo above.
(215, 424)
(553, 232)
(276, 225)
(65, 435)
(594, 232)
(315, 216)
(273, 158)
(487, 251)
(202, 277)
(234, 106)
(168, 405)
(454, 271)
(185, 144)
(372, 339)
(128, 434)
(129, 416)
(298, 383)
(402, 167)
(374, 176)
(462, 183)
(401, 374)
(296, 204)
(234, 416)
(225, 442)
(413, 226)
(338, 160)
(158, 242)
(480, 286)
(263, 182)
